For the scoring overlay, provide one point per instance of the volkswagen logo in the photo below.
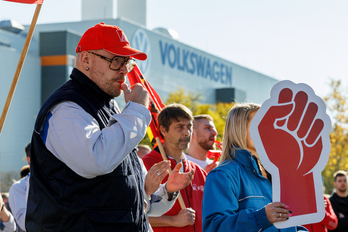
(141, 42)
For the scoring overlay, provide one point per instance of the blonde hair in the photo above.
(235, 134)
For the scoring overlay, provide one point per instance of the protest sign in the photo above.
(291, 136)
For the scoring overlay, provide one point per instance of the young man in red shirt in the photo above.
(175, 125)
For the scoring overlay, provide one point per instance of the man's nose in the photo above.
(187, 132)
(123, 69)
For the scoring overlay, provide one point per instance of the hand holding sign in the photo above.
(291, 135)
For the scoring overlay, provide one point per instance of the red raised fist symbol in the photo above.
(292, 131)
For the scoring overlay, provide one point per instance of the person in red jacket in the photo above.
(175, 125)
(329, 221)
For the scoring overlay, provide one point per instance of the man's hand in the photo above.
(178, 180)
(210, 167)
(137, 94)
(155, 176)
(184, 218)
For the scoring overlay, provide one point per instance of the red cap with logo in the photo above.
(110, 38)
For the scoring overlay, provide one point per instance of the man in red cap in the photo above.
(85, 173)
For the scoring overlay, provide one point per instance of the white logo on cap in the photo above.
(141, 42)
(122, 36)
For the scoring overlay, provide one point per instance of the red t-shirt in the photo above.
(192, 194)
(329, 221)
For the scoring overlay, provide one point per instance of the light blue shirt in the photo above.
(18, 196)
(10, 225)
(74, 137)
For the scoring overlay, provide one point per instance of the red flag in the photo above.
(155, 106)
(214, 154)
(27, 1)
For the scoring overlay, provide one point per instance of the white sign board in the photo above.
(291, 136)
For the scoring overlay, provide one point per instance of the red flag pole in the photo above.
(19, 66)
(136, 76)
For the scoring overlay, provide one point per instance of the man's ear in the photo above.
(85, 59)
(193, 134)
(334, 183)
(163, 131)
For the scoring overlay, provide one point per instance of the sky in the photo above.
(301, 41)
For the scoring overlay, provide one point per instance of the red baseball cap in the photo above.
(110, 38)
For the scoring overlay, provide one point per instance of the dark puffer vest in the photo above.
(61, 200)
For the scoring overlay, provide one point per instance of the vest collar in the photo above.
(90, 86)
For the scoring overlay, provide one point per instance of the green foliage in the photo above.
(189, 99)
(219, 113)
(192, 100)
(146, 140)
(337, 106)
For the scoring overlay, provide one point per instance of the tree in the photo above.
(192, 100)
(337, 105)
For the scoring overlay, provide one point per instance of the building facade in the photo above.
(170, 65)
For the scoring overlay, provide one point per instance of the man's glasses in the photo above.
(117, 62)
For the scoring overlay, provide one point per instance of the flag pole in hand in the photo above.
(156, 105)
(19, 66)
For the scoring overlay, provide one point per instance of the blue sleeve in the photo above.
(221, 208)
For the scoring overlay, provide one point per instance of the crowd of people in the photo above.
(88, 171)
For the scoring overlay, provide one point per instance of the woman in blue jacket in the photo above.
(238, 193)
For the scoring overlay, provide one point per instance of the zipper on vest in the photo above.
(136, 182)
